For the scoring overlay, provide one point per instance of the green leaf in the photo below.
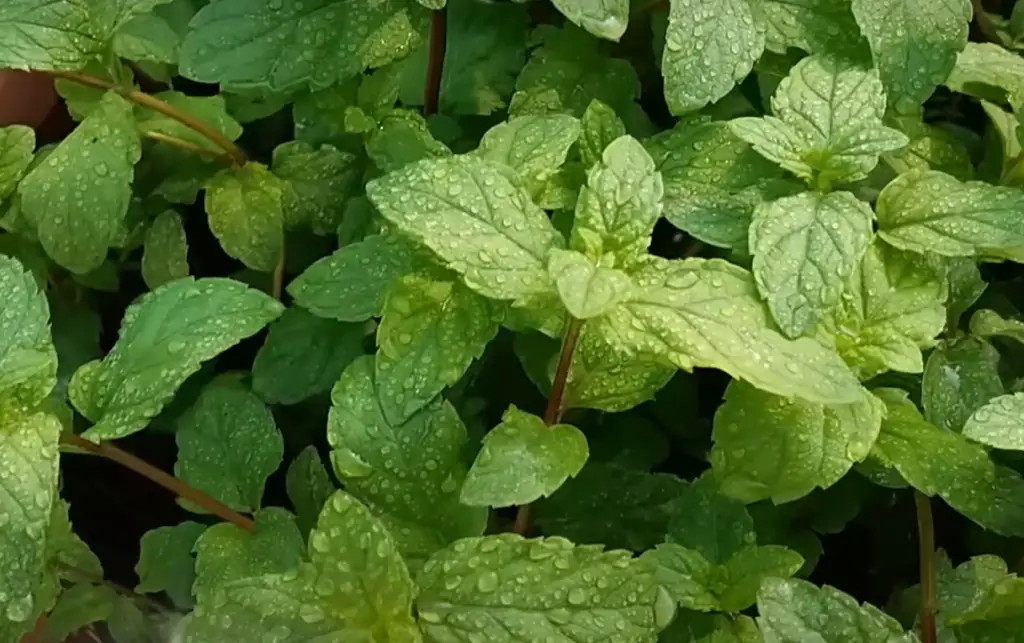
(402, 137)
(303, 356)
(165, 337)
(166, 563)
(371, 600)
(127, 623)
(606, 19)
(165, 254)
(686, 575)
(523, 459)
(506, 588)
(78, 197)
(934, 212)
(989, 323)
(710, 523)
(287, 44)
(228, 445)
(745, 572)
(709, 47)
(816, 26)
(471, 213)
(309, 486)
(408, 474)
(78, 606)
(795, 611)
(534, 146)
(619, 205)
(431, 329)
(998, 423)
(587, 290)
(209, 110)
(959, 378)
(914, 43)
(773, 447)
(147, 38)
(805, 247)
(706, 312)
(28, 360)
(827, 124)
(17, 143)
(986, 70)
(966, 286)
(245, 213)
(225, 553)
(315, 184)
(600, 126)
(930, 148)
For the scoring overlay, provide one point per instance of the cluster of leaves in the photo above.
(488, 271)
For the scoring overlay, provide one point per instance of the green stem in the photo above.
(926, 552)
(189, 146)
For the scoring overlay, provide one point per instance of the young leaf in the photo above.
(370, 600)
(471, 213)
(78, 197)
(165, 337)
(986, 70)
(521, 460)
(28, 360)
(166, 563)
(600, 126)
(210, 110)
(587, 290)
(17, 143)
(816, 26)
(315, 184)
(228, 445)
(408, 474)
(914, 43)
(705, 312)
(686, 575)
(309, 486)
(959, 378)
(998, 424)
(165, 254)
(229, 43)
(933, 212)
(606, 19)
(989, 323)
(401, 138)
(743, 574)
(431, 329)
(303, 356)
(827, 124)
(805, 247)
(509, 589)
(78, 606)
(245, 214)
(931, 147)
(607, 379)
(534, 146)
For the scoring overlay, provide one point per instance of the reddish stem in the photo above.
(926, 552)
(435, 60)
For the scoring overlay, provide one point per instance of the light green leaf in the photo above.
(795, 611)
(408, 474)
(166, 563)
(619, 205)
(710, 523)
(827, 124)
(309, 486)
(567, 594)
(28, 487)
(78, 197)
(959, 378)
(600, 126)
(989, 323)
(431, 329)
(245, 213)
(933, 212)
(805, 247)
(999, 423)
(165, 253)
(147, 38)
(587, 290)
(17, 143)
(743, 574)
(288, 44)
(988, 71)
(709, 47)
(914, 43)
(816, 26)
(210, 110)
(402, 137)
(77, 607)
(127, 623)
(966, 286)
(523, 459)
(706, 312)
(370, 600)
(534, 146)
(28, 360)
(930, 148)
(316, 182)
(471, 213)
(165, 336)
(606, 19)
(686, 575)
(303, 356)
(228, 445)
(772, 447)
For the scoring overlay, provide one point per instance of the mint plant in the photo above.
(450, 321)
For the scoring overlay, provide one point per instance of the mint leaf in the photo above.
(287, 44)
(471, 213)
(401, 138)
(78, 606)
(309, 486)
(165, 336)
(805, 247)
(745, 572)
(600, 126)
(686, 575)
(998, 423)
(228, 445)
(816, 26)
(827, 124)
(986, 70)
(28, 360)
(166, 563)
(245, 213)
(165, 253)
(534, 146)
(522, 459)
(705, 312)
(579, 594)
(210, 110)
(76, 226)
(17, 143)
(607, 19)
(989, 323)
(587, 290)
(930, 148)
(408, 474)
(431, 329)
(959, 378)
(709, 46)
(710, 523)
(315, 182)
(934, 212)
(147, 38)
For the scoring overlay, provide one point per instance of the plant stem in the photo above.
(157, 105)
(190, 146)
(553, 411)
(435, 60)
(145, 469)
(36, 634)
(926, 551)
(277, 286)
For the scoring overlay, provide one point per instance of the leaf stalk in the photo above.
(435, 60)
(926, 552)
